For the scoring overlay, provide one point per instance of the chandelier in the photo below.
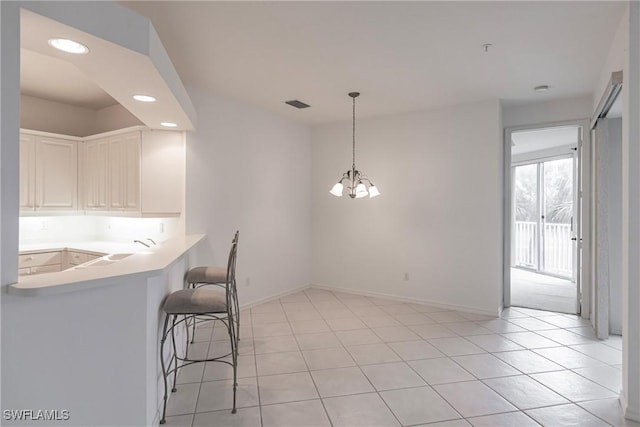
(358, 185)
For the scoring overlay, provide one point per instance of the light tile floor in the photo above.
(320, 358)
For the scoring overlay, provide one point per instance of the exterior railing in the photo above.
(558, 247)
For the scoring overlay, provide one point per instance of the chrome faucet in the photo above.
(141, 242)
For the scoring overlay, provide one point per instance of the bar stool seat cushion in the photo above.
(207, 275)
(196, 301)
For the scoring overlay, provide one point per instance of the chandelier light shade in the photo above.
(357, 183)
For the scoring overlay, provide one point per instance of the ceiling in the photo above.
(528, 141)
(51, 78)
(109, 73)
(402, 56)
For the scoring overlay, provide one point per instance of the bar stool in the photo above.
(211, 304)
(217, 276)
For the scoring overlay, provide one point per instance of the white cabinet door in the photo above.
(163, 170)
(56, 174)
(27, 172)
(124, 172)
(95, 168)
(131, 180)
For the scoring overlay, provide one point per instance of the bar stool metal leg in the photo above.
(175, 353)
(193, 335)
(164, 368)
(234, 353)
(186, 350)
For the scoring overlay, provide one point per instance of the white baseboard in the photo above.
(274, 297)
(438, 304)
(629, 413)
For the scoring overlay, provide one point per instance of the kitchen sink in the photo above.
(117, 257)
(102, 261)
(99, 263)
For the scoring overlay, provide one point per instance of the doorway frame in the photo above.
(583, 191)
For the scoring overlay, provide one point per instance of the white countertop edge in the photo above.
(133, 267)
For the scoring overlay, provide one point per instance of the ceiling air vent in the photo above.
(297, 104)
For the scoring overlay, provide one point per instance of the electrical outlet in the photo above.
(406, 276)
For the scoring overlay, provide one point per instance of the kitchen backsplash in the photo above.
(46, 229)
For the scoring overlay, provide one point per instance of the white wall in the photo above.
(112, 118)
(50, 116)
(630, 397)
(9, 150)
(439, 217)
(9, 137)
(624, 54)
(250, 170)
(57, 117)
(615, 59)
(559, 110)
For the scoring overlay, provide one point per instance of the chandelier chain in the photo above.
(354, 134)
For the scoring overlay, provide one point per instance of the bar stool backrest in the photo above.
(231, 263)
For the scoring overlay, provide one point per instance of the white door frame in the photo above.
(583, 191)
(600, 255)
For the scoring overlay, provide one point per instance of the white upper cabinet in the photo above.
(27, 171)
(94, 166)
(163, 166)
(134, 173)
(56, 174)
(124, 172)
(48, 173)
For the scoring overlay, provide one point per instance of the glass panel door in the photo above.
(527, 217)
(557, 217)
(544, 198)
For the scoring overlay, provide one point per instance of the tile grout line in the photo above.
(369, 380)
(311, 375)
(195, 409)
(255, 359)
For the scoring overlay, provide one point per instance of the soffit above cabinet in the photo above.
(54, 79)
(125, 56)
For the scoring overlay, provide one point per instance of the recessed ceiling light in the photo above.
(168, 124)
(541, 88)
(69, 46)
(144, 98)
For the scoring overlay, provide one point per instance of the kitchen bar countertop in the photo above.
(142, 261)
